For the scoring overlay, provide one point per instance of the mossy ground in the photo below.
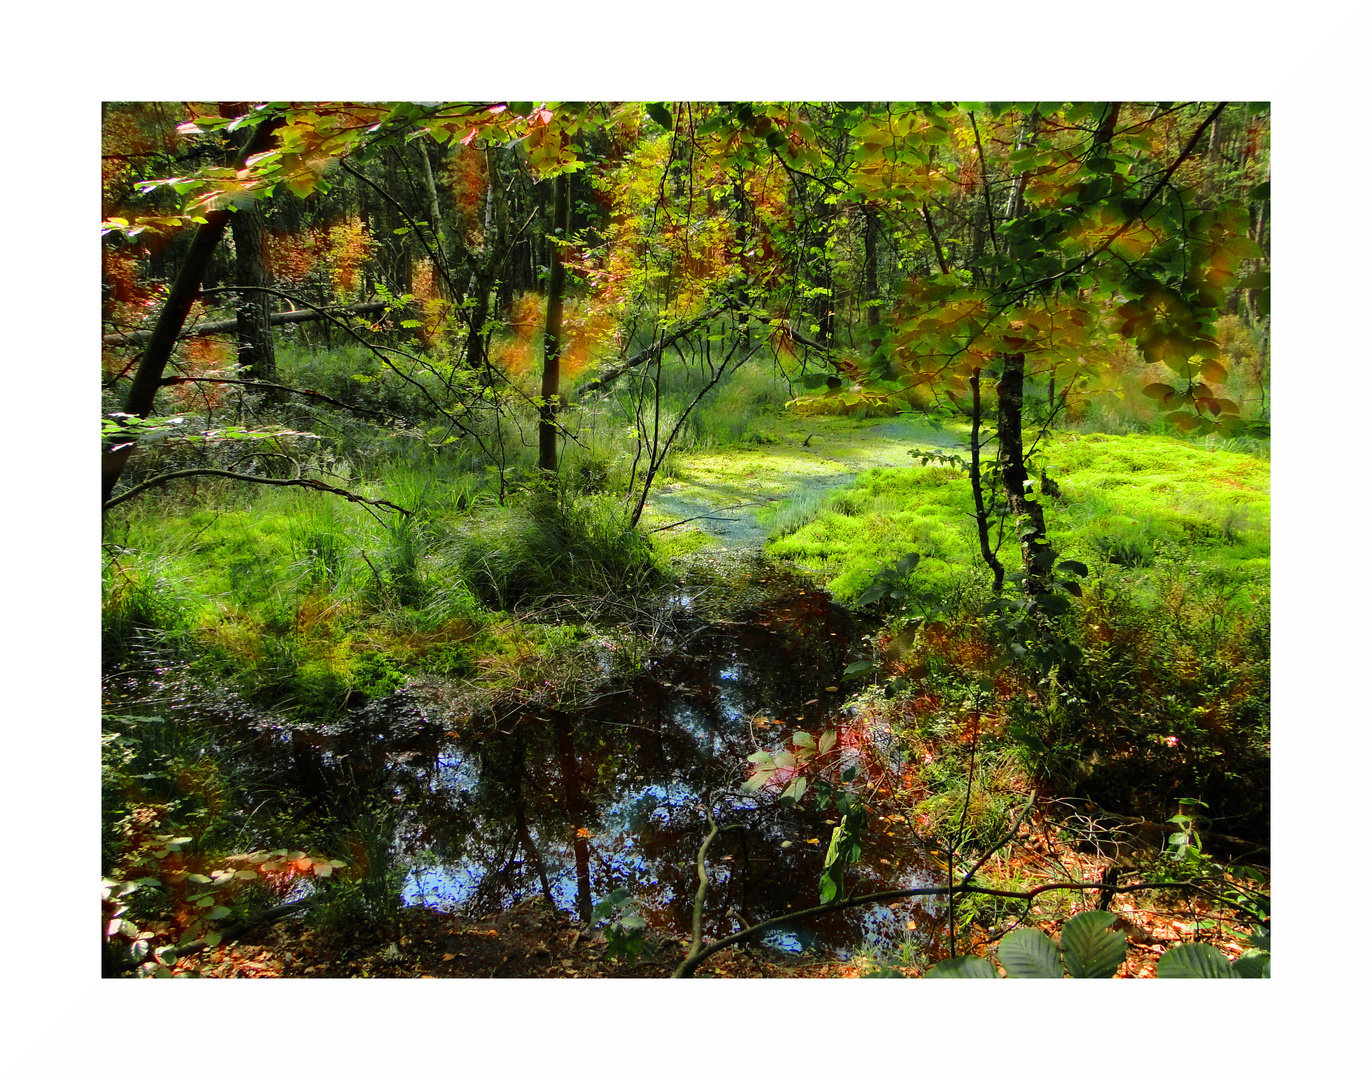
(1123, 500)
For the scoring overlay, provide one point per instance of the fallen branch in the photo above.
(688, 966)
(713, 515)
(254, 384)
(229, 933)
(639, 358)
(230, 326)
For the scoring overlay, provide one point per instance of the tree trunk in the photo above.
(552, 336)
(183, 293)
(1038, 555)
(486, 263)
(256, 349)
(983, 522)
(870, 293)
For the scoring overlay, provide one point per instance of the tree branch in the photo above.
(231, 932)
(685, 969)
(655, 349)
(254, 384)
(230, 326)
(317, 485)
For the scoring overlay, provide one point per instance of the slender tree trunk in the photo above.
(248, 226)
(871, 294)
(983, 522)
(486, 263)
(185, 289)
(1038, 555)
(552, 336)
(256, 347)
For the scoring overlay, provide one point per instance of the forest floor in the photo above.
(534, 940)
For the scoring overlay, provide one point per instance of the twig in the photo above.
(254, 384)
(687, 967)
(713, 514)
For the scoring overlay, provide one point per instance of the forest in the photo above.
(685, 539)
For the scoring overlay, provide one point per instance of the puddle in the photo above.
(494, 810)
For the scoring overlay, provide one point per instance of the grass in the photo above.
(1123, 499)
(309, 604)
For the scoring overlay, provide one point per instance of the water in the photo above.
(493, 810)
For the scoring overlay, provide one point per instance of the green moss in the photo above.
(1121, 498)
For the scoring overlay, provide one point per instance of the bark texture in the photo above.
(1037, 553)
(552, 336)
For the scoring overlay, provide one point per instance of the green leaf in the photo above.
(1092, 950)
(907, 563)
(827, 741)
(1030, 954)
(1257, 965)
(873, 594)
(962, 967)
(659, 112)
(859, 667)
(795, 789)
(803, 738)
(1195, 962)
(1023, 735)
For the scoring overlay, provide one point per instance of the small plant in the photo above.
(171, 910)
(790, 767)
(1090, 949)
(623, 931)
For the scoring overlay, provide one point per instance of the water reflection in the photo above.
(574, 807)
(535, 801)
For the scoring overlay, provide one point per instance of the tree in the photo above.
(552, 337)
(183, 293)
(256, 346)
(954, 243)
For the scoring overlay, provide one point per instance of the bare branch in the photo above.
(317, 485)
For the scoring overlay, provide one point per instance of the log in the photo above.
(230, 326)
